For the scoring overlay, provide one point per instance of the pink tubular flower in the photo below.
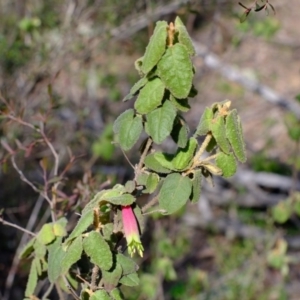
(131, 231)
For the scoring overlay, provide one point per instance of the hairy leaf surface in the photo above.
(176, 71)
(156, 47)
(234, 134)
(227, 163)
(184, 37)
(174, 192)
(150, 96)
(160, 122)
(98, 250)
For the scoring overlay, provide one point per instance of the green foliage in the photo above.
(160, 122)
(150, 96)
(227, 163)
(46, 234)
(162, 93)
(174, 192)
(98, 250)
(155, 48)
(128, 129)
(176, 71)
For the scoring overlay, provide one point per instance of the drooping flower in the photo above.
(131, 231)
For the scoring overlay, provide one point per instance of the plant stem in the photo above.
(151, 203)
(141, 162)
(202, 149)
(95, 272)
(16, 226)
(210, 157)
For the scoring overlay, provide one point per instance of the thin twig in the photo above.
(59, 292)
(47, 293)
(54, 153)
(14, 266)
(144, 154)
(151, 203)
(126, 157)
(16, 226)
(22, 176)
(209, 158)
(139, 167)
(95, 273)
(70, 288)
(202, 149)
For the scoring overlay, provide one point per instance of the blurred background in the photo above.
(70, 63)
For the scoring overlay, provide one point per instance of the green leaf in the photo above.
(183, 156)
(180, 104)
(151, 183)
(40, 250)
(116, 294)
(156, 47)
(227, 163)
(136, 87)
(111, 278)
(180, 132)
(59, 230)
(234, 134)
(55, 257)
(160, 122)
(46, 234)
(97, 248)
(100, 295)
(123, 118)
(130, 132)
(196, 186)
(72, 255)
(176, 71)
(127, 264)
(107, 231)
(281, 212)
(244, 16)
(130, 186)
(130, 280)
(27, 249)
(212, 168)
(142, 179)
(211, 145)
(125, 199)
(84, 222)
(150, 96)
(32, 279)
(165, 159)
(152, 163)
(184, 37)
(204, 125)
(217, 127)
(174, 192)
(38, 266)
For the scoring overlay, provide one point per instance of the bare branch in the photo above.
(16, 226)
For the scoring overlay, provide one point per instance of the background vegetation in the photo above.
(70, 63)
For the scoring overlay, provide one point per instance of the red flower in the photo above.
(131, 231)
